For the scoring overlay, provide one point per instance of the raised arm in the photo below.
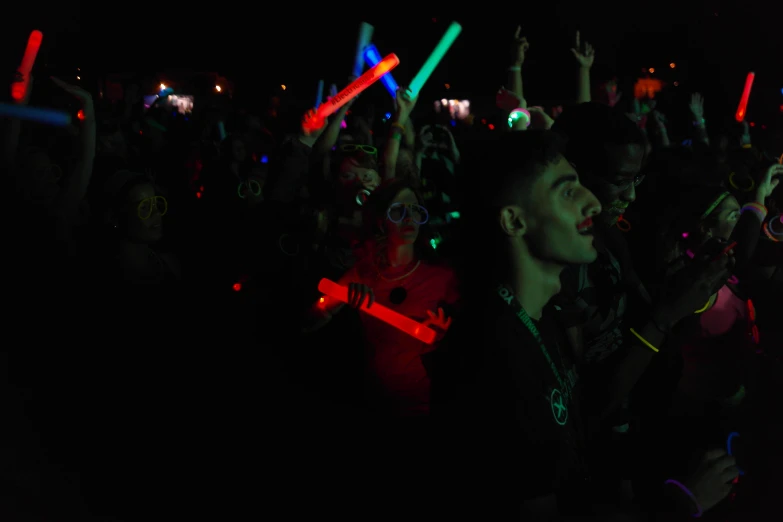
(585, 56)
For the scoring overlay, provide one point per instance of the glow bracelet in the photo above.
(687, 491)
(38, 115)
(372, 57)
(519, 114)
(352, 91)
(319, 95)
(387, 315)
(432, 62)
(728, 446)
(743, 104)
(19, 89)
(365, 37)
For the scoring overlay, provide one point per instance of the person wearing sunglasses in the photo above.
(399, 271)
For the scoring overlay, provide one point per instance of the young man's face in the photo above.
(616, 188)
(558, 219)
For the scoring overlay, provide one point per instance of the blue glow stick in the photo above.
(365, 37)
(728, 447)
(36, 114)
(319, 94)
(432, 62)
(373, 57)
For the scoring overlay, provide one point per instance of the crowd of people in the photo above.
(602, 300)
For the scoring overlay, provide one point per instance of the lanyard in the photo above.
(508, 297)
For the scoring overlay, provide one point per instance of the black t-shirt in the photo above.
(500, 399)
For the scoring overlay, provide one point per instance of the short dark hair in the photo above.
(514, 163)
(590, 128)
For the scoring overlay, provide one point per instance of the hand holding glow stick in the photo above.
(432, 62)
(315, 121)
(319, 95)
(387, 315)
(19, 89)
(373, 57)
(365, 37)
(743, 104)
(36, 114)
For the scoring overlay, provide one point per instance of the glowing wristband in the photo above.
(623, 224)
(728, 446)
(319, 94)
(519, 114)
(645, 341)
(733, 184)
(715, 204)
(762, 214)
(759, 206)
(372, 57)
(352, 91)
(36, 114)
(387, 315)
(365, 37)
(771, 230)
(399, 126)
(699, 511)
(743, 104)
(19, 89)
(765, 228)
(432, 62)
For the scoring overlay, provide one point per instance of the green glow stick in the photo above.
(432, 62)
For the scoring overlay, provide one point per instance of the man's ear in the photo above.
(512, 221)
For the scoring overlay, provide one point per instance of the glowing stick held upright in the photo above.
(18, 89)
(372, 57)
(319, 95)
(432, 62)
(365, 37)
(352, 91)
(743, 104)
(387, 315)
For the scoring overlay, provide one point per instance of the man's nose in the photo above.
(629, 194)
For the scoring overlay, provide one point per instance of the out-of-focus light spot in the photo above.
(672, 65)
(237, 287)
(651, 69)
(282, 87)
(218, 88)
(264, 159)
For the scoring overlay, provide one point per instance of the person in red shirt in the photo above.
(399, 271)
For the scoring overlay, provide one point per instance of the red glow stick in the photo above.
(743, 104)
(352, 91)
(387, 315)
(18, 89)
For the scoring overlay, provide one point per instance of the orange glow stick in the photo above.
(18, 89)
(743, 104)
(352, 91)
(387, 315)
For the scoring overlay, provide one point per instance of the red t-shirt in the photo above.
(394, 357)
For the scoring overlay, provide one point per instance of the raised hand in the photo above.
(697, 107)
(519, 47)
(768, 182)
(405, 104)
(438, 320)
(359, 294)
(712, 481)
(584, 53)
(74, 90)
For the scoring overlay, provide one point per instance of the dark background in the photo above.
(261, 46)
